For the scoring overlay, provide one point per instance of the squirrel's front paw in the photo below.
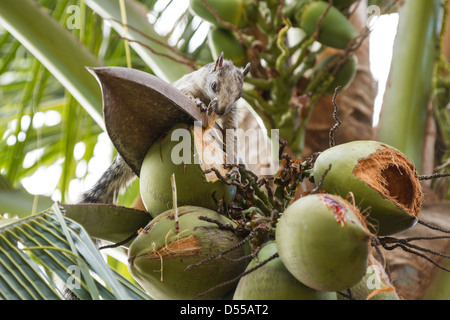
(200, 104)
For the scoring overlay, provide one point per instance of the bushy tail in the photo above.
(111, 183)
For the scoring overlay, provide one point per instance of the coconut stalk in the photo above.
(404, 110)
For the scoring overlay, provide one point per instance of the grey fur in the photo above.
(116, 178)
(198, 85)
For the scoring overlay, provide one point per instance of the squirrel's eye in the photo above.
(214, 86)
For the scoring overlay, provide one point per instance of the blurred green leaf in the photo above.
(18, 202)
(57, 49)
(151, 47)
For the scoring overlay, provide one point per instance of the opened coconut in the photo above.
(382, 180)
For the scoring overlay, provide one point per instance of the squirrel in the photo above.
(215, 87)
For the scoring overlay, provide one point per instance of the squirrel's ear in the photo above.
(219, 61)
(246, 69)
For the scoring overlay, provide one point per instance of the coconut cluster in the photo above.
(319, 244)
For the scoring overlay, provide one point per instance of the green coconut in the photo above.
(335, 30)
(344, 76)
(187, 153)
(382, 180)
(158, 258)
(273, 281)
(240, 13)
(323, 242)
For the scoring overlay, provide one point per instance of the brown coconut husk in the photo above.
(394, 176)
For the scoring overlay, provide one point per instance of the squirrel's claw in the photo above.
(201, 105)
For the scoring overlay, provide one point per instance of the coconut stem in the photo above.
(413, 249)
(434, 176)
(432, 226)
(336, 126)
(120, 243)
(319, 185)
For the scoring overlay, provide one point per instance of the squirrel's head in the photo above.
(224, 85)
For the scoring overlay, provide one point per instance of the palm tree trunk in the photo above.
(404, 111)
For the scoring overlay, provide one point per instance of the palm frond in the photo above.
(33, 246)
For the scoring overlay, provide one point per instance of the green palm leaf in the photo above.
(56, 243)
